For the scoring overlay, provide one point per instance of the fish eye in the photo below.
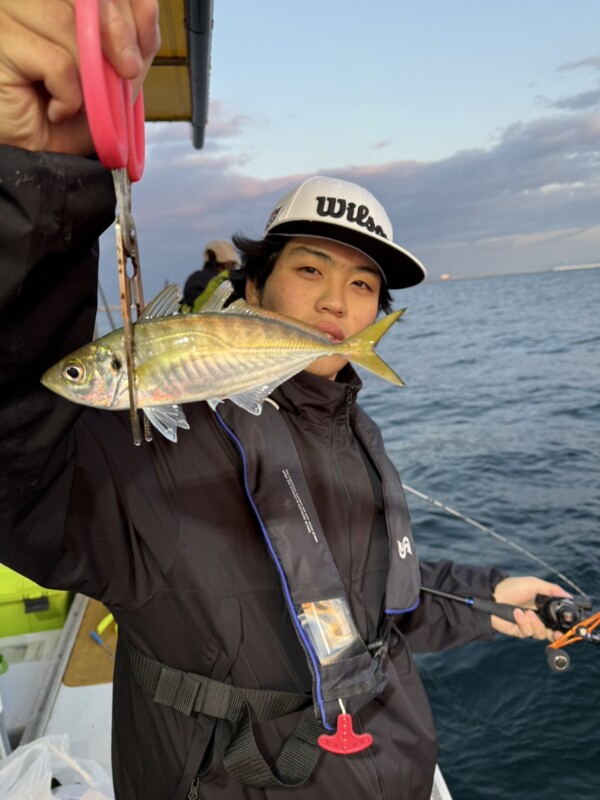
(116, 363)
(74, 371)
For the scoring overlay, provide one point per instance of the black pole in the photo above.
(502, 610)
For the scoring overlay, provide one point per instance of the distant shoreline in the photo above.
(447, 278)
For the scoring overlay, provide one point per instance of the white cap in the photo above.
(224, 251)
(329, 208)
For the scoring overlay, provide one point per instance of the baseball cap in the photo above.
(224, 251)
(329, 208)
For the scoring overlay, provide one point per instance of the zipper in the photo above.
(194, 793)
(343, 411)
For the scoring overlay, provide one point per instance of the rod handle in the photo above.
(502, 610)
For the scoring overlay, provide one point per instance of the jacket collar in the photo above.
(319, 400)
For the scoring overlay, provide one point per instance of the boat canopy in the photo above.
(176, 88)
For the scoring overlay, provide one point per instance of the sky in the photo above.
(476, 124)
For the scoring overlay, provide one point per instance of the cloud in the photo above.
(382, 145)
(527, 202)
(578, 102)
(583, 63)
(584, 100)
(224, 125)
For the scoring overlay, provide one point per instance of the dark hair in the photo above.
(210, 260)
(259, 257)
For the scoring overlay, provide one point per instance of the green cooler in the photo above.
(26, 607)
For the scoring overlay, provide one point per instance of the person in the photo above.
(262, 570)
(220, 257)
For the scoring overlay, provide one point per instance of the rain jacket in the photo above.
(163, 535)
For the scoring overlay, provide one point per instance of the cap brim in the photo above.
(400, 268)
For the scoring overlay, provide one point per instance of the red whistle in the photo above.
(344, 741)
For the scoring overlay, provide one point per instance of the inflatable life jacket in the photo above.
(346, 672)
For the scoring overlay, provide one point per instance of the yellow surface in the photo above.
(15, 618)
(167, 87)
(167, 95)
(172, 30)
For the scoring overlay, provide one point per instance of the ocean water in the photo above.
(500, 420)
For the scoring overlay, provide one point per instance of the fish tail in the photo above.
(359, 348)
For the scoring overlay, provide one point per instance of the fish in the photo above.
(238, 352)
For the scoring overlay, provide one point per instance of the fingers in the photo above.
(119, 37)
(554, 590)
(530, 626)
(130, 35)
(522, 590)
(527, 625)
(39, 80)
(147, 24)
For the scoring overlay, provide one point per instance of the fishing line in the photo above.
(497, 536)
(106, 307)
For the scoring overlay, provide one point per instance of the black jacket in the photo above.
(163, 535)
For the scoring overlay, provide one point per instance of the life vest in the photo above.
(343, 667)
(346, 672)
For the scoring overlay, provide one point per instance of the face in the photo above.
(325, 284)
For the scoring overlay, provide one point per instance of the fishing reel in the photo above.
(561, 613)
(570, 616)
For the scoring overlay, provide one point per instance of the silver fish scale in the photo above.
(220, 375)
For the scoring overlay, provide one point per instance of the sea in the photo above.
(500, 422)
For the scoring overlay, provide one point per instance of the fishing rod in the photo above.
(491, 532)
(565, 614)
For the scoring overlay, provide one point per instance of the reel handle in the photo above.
(558, 660)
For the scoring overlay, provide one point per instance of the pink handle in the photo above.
(116, 125)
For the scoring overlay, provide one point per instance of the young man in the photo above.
(240, 639)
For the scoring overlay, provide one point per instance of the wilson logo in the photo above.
(404, 547)
(337, 208)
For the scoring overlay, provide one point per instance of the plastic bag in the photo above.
(27, 773)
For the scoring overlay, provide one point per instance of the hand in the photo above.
(41, 102)
(521, 591)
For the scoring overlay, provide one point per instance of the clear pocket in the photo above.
(331, 630)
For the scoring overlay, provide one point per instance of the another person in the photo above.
(203, 550)
(221, 259)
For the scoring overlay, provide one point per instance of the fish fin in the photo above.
(246, 400)
(240, 306)
(359, 348)
(253, 399)
(166, 419)
(164, 304)
(217, 298)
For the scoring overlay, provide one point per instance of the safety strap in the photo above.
(193, 694)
